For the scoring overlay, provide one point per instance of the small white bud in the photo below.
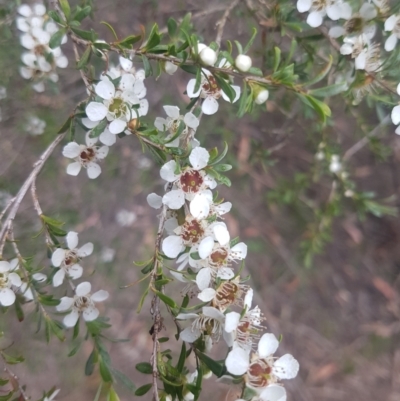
(207, 375)
(262, 96)
(200, 47)
(208, 56)
(170, 68)
(188, 396)
(243, 62)
(168, 397)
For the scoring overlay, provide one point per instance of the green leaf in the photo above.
(167, 300)
(112, 395)
(223, 167)
(82, 13)
(75, 349)
(182, 358)
(8, 396)
(277, 58)
(98, 129)
(172, 26)
(322, 74)
(84, 58)
(66, 125)
(12, 360)
(110, 28)
(91, 362)
(48, 300)
(250, 42)
(56, 38)
(198, 80)
(130, 40)
(191, 69)
(55, 16)
(142, 298)
(19, 311)
(330, 90)
(214, 366)
(105, 371)
(123, 379)
(145, 368)
(90, 36)
(147, 66)
(3, 382)
(144, 389)
(239, 47)
(153, 40)
(228, 90)
(217, 159)
(65, 7)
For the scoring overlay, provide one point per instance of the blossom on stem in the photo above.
(82, 303)
(8, 280)
(392, 24)
(68, 259)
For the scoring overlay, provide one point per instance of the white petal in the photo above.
(248, 299)
(102, 152)
(187, 316)
(398, 89)
(286, 367)
(174, 199)
(303, 5)
(267, 345)
(206, 295)
(85, 250)
(214, 313)
(190, 89)
(315, 19)
(14, 264)
(346, 49)
(100, 296)
(93, 170)
(128, 81)
(117, 126)
(58, 257)
(221, 234)
(172, 246)
(96, 111)
(61, 62)
(397, 131)
(71, 319)
(273, 392)
(368, 11)
(4, 266)
(58, 278)
(237, 361)
(199, 158)
(189, 335)
(7, 297)
(83, 289)
(25, 10)
(39, 277)
(15, 279)
(125, 63)
(396, 115)
(172, 111)
(210, 106)
(390, 23)
(391, 42)
(75, 271)
(170, 225)
(240, 250)
(346, 11)
(154, 200)
(160, 123)
(225, 273)
(206, 247)
(90, 314)
(39, 9)
(167, 171)
(105, 89)
(71, 150)
(361, 61)
(27, 41)
(336, 31)
(89, 123)
(72, 240)
(74, 168)
(334, 12)
(237, 94)
(65, 304)
(203, 278)
(191, 120)
(107, 137)
(200, 206)
(231, 321)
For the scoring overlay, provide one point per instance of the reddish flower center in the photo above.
(259, 373)
(191, 181)
(192, 232)
(219, 256)
(87, 155)
(211, 87)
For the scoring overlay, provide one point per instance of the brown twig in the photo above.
(14, 379)
(221, 23)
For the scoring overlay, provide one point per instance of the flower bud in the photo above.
(133, 124)
(188, 396)
(208, 56)
(170, 68)
(243, 63)
(262, 96)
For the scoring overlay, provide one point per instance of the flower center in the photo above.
(70, 259)
(226, 295)
(4, 280)
(191, 181)
(211, 88)
(354, 24)
(259, 373)
(83, 302)
(117, 107)
(192, 232)
(87, 155)
(218, 257)
(319, 5)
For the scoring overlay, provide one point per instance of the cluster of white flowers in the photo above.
(118, 103)
(34, 125)
(40, 61)
(206, 256)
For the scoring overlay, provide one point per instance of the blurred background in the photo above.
(339, 314)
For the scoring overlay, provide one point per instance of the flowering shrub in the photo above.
(193, 245)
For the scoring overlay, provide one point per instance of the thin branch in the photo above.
(14, 379)
(9, 203)
(221, 23)
(364, 141)
(25, 187)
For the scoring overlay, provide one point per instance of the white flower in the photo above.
(82, 303)
(35, 126)
(357, 23)
(107, 255)
(263, 369)
(392, 24)
(172, 122)
(189, 181)
(208, 56)
(85, 156)
(335, 9)
(68, 259)
(273, 392)
(335, 165)
(243, 62)
(262, 96)
(8, 279)
(170, 68)
(210, 91)
(125, 218)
